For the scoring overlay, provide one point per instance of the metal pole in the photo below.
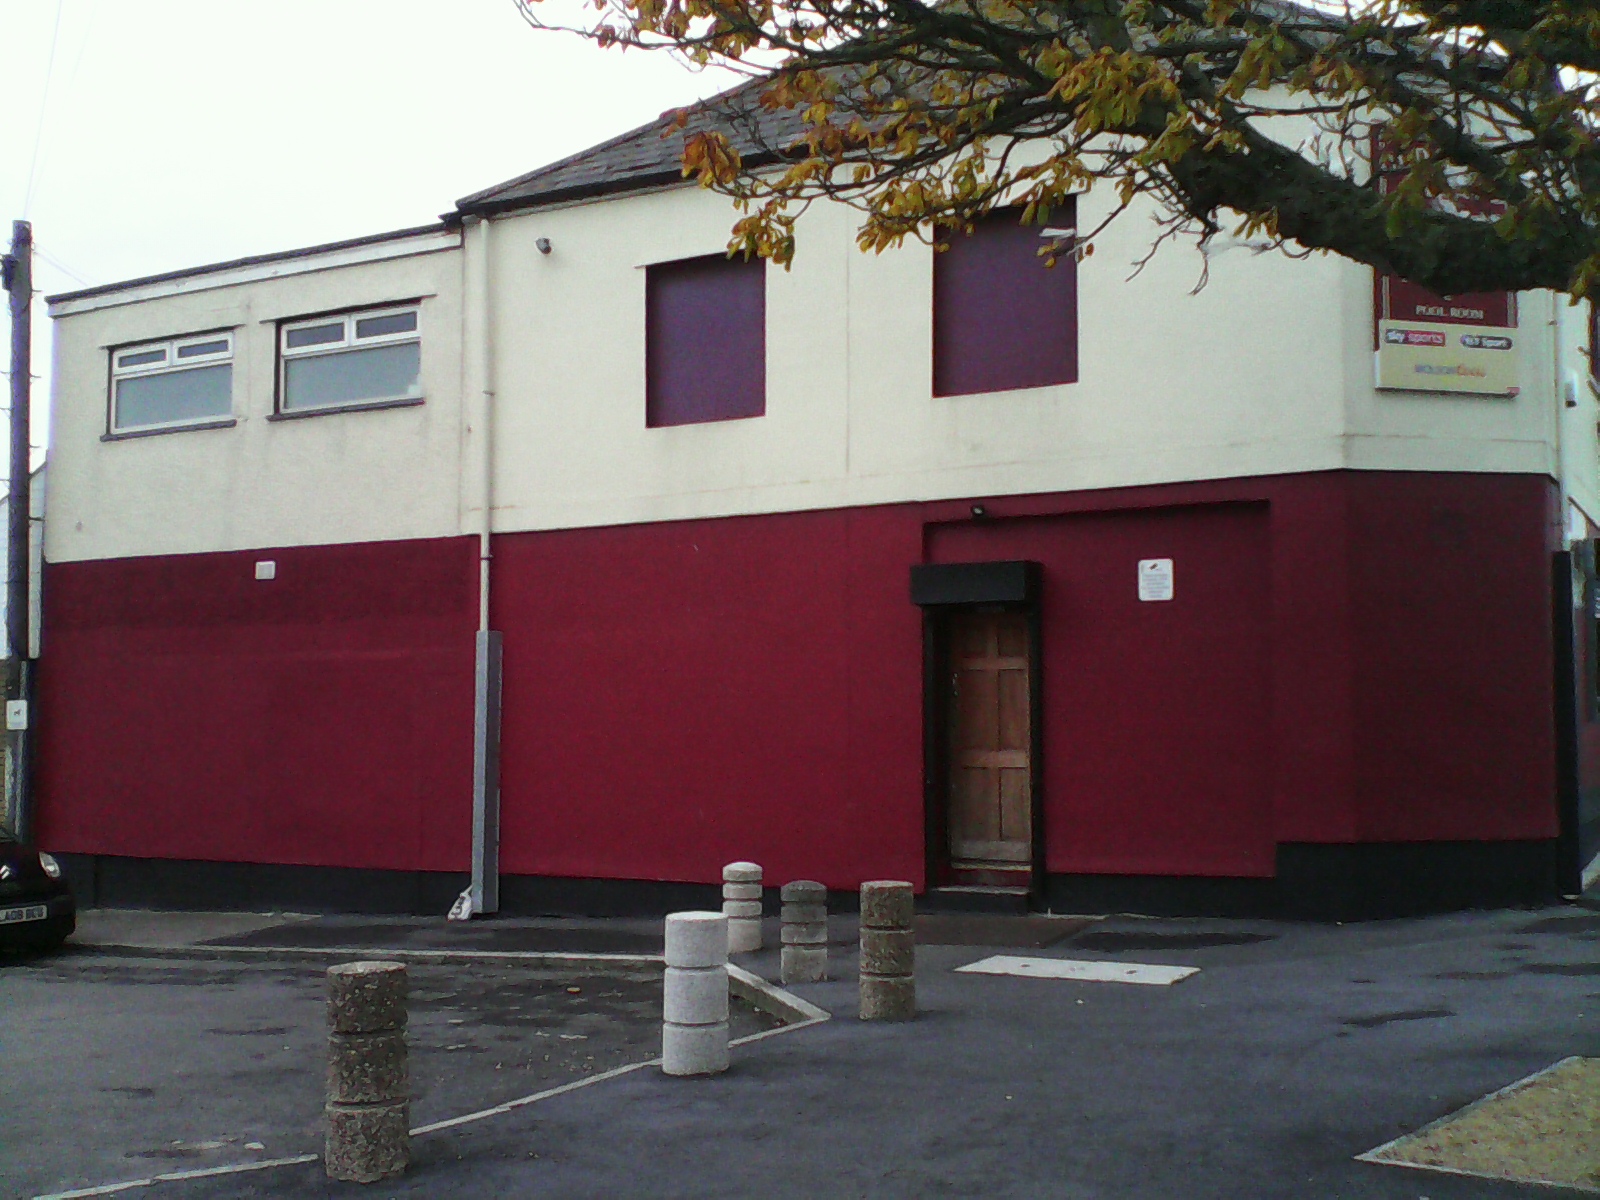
(19, 287)
(485, 886)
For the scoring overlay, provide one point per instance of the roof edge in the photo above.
(105, 289)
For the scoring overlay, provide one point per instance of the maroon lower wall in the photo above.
(1350, 657)
(1157, 752)
(324, 717)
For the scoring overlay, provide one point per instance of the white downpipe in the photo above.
(485, 350)
(483, 894)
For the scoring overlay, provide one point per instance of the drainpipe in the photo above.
(483, 896)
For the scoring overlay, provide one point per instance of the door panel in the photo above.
(991, 728)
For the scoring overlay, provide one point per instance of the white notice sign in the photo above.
(1155, 579)
(16, 715)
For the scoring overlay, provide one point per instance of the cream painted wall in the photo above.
(1266, 370)
(1580, 423)
(340, 477)
(1422, 431)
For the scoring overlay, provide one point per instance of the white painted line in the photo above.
(521, 1101)
(1081, 969)
(110, 1189)
(778, 999)
(1591, 873)
(551, 956)
(615, 1072)
(767, 1033)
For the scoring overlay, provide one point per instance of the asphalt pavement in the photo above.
(1295, 1048)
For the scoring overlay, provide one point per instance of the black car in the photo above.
(37, 911)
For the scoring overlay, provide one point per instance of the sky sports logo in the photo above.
(1413, 337)
(1433, 337)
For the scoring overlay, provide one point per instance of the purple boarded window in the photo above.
(1002, 319)
(705, 340)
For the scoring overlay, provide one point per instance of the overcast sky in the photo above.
(147, 135)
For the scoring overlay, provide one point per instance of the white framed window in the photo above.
(361, 358)
(172, 384)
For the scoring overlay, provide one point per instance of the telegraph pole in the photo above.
(19, 288)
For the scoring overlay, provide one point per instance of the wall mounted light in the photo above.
(543, 244)
(979, 512)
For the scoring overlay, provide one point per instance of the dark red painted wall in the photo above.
(1157, 717)
(188, 710)
(678, 696)
(1453, 676)
(1349, 656)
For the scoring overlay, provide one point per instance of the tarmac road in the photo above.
(1295, 1048)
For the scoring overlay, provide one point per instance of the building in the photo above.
(950, 569)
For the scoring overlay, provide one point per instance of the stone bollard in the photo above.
(805, 932)
(369, 1093)
(694, 1008)
(741, 904)
(888, 952)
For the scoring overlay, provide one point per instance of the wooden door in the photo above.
(990, 818)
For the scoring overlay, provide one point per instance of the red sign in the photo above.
(1401, 300)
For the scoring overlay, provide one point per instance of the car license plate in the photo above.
(33, 912)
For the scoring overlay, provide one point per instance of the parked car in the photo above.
(37, 911)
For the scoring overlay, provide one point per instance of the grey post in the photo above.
(741, 904)
(805, 932)
(694, 1009)
(888, 951)
(369, 1085)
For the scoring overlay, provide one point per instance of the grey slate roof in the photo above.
(648, 156)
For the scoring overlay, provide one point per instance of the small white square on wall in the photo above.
(1155, 579)
(266, 569)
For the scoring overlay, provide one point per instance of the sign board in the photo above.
(1425, 342)
(1155, 579)
(16, 715)
(1430, 343)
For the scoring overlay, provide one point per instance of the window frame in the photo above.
(349, 341)
(171, 364)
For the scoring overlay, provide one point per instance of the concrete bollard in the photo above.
(369, 1093)
(888, 952)
(805, 932)
(694, 1008)
(741, 904)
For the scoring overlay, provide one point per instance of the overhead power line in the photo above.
(61, 266)
(44, 106)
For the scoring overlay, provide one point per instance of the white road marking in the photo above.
(110, 1189)
(776, 997)
(766, 1033)
(1085, 970)
(553, 957)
